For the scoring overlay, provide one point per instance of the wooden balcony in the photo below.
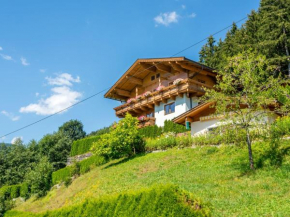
(146, 122)
(143, 104)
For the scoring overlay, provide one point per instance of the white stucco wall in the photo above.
(200, 127)
(182, 104)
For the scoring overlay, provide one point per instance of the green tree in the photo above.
(275, 31)
(243, 94)
(39, 179)
(73, 129)
(122, 141)
(207, 53)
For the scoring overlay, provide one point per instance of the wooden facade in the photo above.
(149, 82)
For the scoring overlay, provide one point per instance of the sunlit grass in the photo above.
(216, 175)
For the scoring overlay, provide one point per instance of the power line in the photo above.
(155, 64)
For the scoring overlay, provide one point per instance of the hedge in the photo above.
(155, 131)
(162, 200)
(83, 146)
(84, 166)
(10, 192)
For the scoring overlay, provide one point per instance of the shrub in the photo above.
(170, 126)
(162, 200)
(122, 141)
(150, 131)
(78, 168)
(5, 192)
(83, 146)
(15, 191)
(40, 178)
(24, 190)
(60, 175)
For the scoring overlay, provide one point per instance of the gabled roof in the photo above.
(143, 67)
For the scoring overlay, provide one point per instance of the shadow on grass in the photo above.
(124, 160)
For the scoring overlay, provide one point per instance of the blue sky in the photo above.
(55, 53)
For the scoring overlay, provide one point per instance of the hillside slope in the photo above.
(213, 174)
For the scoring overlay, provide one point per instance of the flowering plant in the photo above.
(147, 93)
(141, 118)
(139, 97)
(177, 81)
(159, 88)
(130, 100)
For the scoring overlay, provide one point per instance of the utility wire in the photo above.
(96, 94)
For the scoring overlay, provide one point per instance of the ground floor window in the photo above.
(169, 108)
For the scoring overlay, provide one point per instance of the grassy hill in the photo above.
(215, 175)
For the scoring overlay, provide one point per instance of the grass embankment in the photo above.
(216, 175)
(164, 201)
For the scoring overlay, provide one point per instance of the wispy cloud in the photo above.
(1, 48)
(15, 139)
(37, 94)
(6, 57)
(10, 115)
(24, 61)
(183, 6)
(42, 70)
(166, 18)
(63, 79)
(61, 96)
(192, 15)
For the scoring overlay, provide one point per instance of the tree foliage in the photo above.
(246, 95)
(267, 32)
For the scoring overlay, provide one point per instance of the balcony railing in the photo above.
(146, 122)
(147, 102)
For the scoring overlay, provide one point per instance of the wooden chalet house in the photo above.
(155, 90)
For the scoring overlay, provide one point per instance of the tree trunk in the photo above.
(250, 151)
(287, 52)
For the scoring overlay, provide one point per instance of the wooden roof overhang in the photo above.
(192, 113)
(195, 113)
(141, 68)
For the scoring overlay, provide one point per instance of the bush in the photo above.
(60, 175)
(122, 141)
(78, 168)
(83, 146)
(5, 192)
(150, 131)
(39, 179)
(24, 190)
(168, 140)
(15, 191)
(170, 126)
(166, 200)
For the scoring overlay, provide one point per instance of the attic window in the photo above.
(152, 77)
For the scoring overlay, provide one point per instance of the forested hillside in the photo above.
(266, 32)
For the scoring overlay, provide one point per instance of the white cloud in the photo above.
(1, 48)
(42, 70)
(36, 94)
(183, 6)
(14, 140)
(24, 61)
(166, 18)
(63, 79)
(61, 97)
(192, 15)
(6, 57)
(10, 115)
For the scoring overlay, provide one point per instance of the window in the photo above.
(152, 77)
(169, 108)
(150, 115)
(157, 75)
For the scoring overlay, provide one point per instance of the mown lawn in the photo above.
(216, 175)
